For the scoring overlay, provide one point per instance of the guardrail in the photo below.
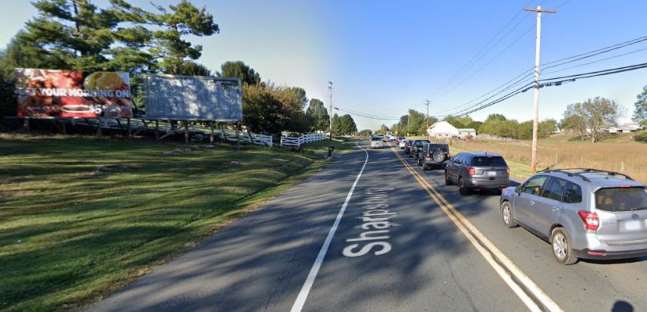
(290, 141)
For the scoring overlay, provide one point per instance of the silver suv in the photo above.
(583, 213)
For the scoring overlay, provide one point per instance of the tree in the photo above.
(347, 125)
(263, 112)
(573, 122)
(459, 122)
(499, 125)
(173, 24)
(344, 125)
(640, 110)
(415, 122)
(382, 130)
(336, 125)
(546, 128)
(365, 133)
(271, 109)
(239, 70)
(318, 115)
(593, 116)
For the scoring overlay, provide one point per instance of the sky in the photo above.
(386, 57)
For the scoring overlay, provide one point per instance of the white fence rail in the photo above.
(291, 141)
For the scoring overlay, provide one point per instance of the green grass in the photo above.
(69, 236)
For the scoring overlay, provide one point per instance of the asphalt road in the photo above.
(393, 249)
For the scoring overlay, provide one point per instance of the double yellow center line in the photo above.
(529, 293)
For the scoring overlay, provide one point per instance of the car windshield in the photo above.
(488, 161)
(621, 199)
(376, 139)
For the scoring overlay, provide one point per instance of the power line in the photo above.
(496, 91)
(499, 36)
(593, 53)
(366, 115)
(491, 60)
(599, 60)
(555, 64)
(556, 81)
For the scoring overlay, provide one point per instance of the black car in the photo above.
(433, 155)
(416, 147)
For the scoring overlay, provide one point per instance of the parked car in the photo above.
(477, 171)
(408, 146)
(376, 142)
(582, 213)
(433, 155)
(402, 143)
(416, 147)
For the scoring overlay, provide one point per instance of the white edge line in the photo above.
(312, 275)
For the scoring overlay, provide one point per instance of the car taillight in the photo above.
(590, 219)
(507, 170)
(471, 171)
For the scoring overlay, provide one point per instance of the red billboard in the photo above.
(45, 93)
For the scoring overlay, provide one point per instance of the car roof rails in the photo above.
(578, 172)
(611, 173)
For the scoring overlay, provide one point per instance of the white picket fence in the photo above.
(291, 141)
(247, 137)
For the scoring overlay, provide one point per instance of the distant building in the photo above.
(466, 132)
(443, 129)
(625, 128)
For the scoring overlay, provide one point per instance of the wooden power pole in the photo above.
(535, 106)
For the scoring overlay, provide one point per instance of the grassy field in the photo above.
(80, 217)
(618, 153)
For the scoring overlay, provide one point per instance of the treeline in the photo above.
(415, 123)
(79, 35)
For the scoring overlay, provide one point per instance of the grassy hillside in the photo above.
(82, 216)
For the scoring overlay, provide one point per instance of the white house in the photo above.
(443, 129)
(466, 132)
(625, 128)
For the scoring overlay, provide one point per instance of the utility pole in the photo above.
(535, 106)
(331, 111)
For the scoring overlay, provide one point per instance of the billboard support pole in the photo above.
(99, 133)
(157, 130)
(186, 132)
(224, 133)
(128, 127)
(237, 136)
(211, 133)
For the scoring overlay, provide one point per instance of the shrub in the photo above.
(641, 137)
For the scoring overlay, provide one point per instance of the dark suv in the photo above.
(477, 170)
(416, 147)
(433, 155)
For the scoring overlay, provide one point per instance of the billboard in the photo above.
(45, 93)
(193, 98)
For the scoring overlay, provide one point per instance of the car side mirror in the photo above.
(517, 189)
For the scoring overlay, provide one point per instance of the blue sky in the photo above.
(386, 57)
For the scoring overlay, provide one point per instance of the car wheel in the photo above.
(506, 215)
(448, 181)
(462, 188)
(562, 247)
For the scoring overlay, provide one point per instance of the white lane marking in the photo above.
(504, 267)
(305, 290)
